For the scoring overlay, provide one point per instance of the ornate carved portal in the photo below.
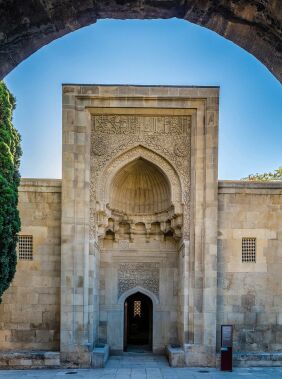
(136, 165)
(139, 214)
(140, 208)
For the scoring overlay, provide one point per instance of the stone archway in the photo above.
(138, 323)
(128, 157)
(152, 311)
(253, 25)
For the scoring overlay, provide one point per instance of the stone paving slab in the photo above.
(143, 367)
(145, 373)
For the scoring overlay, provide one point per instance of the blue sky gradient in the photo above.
(173, 52)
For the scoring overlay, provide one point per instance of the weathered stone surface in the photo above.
(100, 356)
(26, 26)
(30, 311)
(249, 294)
(257, 359)
(175, 355)
(29, 359)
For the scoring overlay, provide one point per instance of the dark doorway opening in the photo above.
(138, 323)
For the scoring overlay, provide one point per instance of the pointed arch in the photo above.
(117, 163)
(140, 187)
(142, 290)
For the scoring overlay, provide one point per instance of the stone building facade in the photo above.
(141, 220)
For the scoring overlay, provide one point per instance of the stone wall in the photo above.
(250, 294)
(183, 258)
(30, 312)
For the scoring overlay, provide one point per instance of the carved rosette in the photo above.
(180, 149)
(98, 146)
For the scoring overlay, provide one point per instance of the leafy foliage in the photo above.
(267, 176)
(10, 153)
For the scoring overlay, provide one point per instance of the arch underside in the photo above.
(139, 193)
(140, 188)
(118, 163)
(137, 289)
(254, 25)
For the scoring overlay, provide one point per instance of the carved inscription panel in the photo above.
(144, 274)
(128, 124)
(111, 134)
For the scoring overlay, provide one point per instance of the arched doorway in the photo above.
(138, 323)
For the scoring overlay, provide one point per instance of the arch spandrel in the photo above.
(117, 163)
(136, 289)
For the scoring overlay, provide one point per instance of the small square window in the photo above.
(25, 248)
(248, 250)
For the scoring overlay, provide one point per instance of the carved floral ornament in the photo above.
(99, 147)
(143, 274)
(180, 149)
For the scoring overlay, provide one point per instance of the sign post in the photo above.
(226, 347)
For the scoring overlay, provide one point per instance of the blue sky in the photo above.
(150, 52)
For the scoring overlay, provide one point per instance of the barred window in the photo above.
(25, 247)
(137, 308)
(249, 249)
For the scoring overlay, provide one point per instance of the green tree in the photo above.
(10, 153)
(267, 176)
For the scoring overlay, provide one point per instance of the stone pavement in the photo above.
(143, 367)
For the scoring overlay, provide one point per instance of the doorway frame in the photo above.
(155, 303)
(150, 326)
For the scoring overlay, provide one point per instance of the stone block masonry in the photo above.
(140, 223)
(250, 293)
(30, 311)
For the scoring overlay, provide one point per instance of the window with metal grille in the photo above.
(25, 248)
(137, 308)
(249, 249)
